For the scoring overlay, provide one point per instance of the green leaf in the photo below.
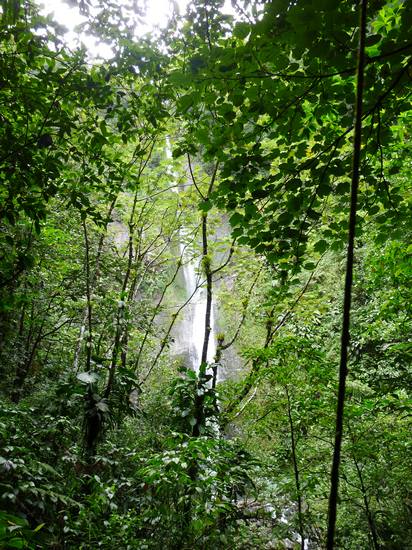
(87, 377)
(205, 206)
(236, 219)
(102, 406)
(241, 30)
(16, 543)
(373, 39)
(321, 246)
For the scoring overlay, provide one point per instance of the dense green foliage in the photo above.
(224, 143)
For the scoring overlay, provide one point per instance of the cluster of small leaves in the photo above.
(188, 390)
(273, 102)
(191, 487)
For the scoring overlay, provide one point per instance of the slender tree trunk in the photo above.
(199, 397)
(93, 282)
(368, 511)
(121, 307)
(21, 320)
(23, 370)
(296, 472)
(206, 264)
(209, 289)
(88, 298)
(25, 363)
(345, 337)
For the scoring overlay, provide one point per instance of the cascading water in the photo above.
(196, 314)
(190, 333)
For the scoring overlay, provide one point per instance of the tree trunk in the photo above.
(345, 337)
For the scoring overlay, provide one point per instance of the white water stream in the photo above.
(195, 315)
(190, 333)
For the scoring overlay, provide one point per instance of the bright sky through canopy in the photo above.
(157, 15)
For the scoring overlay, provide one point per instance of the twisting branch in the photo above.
(225, 263)
(156, 311)
(94, 279)
(345, 337)
(121, 304)
(169, 330)
(189, 163)
(270, 334)
(227, 345)
(363, 489)
(288, 313)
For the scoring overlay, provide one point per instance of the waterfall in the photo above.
(190, 333)
(196, 314)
